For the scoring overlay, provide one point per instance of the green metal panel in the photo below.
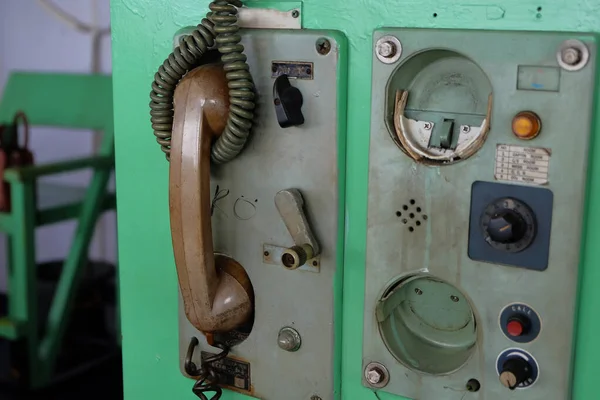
(142, 37)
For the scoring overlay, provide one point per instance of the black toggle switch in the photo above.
(288, 103)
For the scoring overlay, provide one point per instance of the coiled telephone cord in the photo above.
(207, 379)
(220, 27)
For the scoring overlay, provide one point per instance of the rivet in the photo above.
(289, 339)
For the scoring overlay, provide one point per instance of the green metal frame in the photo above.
(149, 297)
(58, 100)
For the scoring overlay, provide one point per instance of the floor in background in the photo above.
(103, 382)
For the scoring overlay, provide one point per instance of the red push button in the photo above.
(514, 328)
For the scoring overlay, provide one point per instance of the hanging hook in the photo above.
(207, 377)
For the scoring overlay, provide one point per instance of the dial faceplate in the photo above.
(508, 225)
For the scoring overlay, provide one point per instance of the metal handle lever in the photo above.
(290, 205)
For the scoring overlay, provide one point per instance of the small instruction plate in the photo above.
(522, 164)
(232, 373)
(293, 69)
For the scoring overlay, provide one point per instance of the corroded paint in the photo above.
(142, 36)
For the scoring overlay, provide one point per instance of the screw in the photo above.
(266, 253)
(454, 298)
(374, 376)
(465, 128)
(323, 46)
(427, 126)
(295, 14)
(315, 398)
(377, 375)
(571, 56)
(315, 263)
(386, 49)
(418, 291)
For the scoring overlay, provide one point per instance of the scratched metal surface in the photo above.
(305, 158)
(439, 244)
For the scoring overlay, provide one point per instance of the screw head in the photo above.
(427, 126)
(295, 14)
(454, 298)
(315, 398)
(374, 376)
(323, 46)
(465, 128)
(388, 49)
(571, 56)
(377, 375)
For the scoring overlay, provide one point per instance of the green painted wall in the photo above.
(142, 37)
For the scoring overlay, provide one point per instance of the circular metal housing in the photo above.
(438, 106)
(388, 49)
(573, 55)
(427, 324)
(377, 375)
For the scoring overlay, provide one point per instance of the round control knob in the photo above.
(515, 371)
(508, 225)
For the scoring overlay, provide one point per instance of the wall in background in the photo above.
(32, 39)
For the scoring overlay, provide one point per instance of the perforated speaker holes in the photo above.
(412, 215)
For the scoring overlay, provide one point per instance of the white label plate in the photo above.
(522, 164)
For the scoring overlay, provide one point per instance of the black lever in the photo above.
(288, 102)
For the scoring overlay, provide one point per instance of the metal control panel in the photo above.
(477, 178)
(282, 193)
